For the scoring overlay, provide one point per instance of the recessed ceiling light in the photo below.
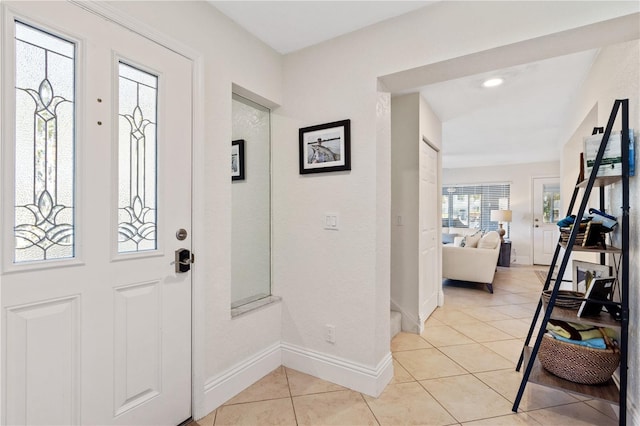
(492, 82)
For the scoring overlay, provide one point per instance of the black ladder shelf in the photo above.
(534, 372)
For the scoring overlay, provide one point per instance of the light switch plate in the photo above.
(331, 221)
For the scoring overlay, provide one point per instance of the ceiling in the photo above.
(517, 122)
(520, 121)
(288, 26)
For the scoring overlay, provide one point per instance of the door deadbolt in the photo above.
(181, 234)
(184, 260)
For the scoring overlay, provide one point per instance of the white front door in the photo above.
(429, 205)
(96, 180)
(546, 213)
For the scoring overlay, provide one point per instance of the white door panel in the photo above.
(102, 336)
(429, 222)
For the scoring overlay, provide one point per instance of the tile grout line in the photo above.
(370, 409)
(293, 407)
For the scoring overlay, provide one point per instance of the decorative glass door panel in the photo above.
(550, 203)
(137, 220)
(44, 146)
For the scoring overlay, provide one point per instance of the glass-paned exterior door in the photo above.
(96, 136)
(44, 146)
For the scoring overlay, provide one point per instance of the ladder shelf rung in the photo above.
(600, 181)
(571, 315)
(609, 249)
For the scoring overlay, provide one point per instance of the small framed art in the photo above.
(325, 147)
(237, 160)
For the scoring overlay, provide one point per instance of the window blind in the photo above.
(469, 206)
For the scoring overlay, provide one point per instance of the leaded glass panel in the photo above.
(550, 203)
(137, 160)
(44, 146)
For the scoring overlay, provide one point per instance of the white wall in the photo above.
(569, 170)
(615, 74)
(520, 177)
(405, 139)
(411, 120)
(341, 278)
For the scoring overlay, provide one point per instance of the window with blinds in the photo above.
(469, 206)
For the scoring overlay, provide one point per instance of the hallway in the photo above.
(460, 371)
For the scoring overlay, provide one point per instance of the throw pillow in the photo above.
(448, 238)
(472, 240)
(489, 241)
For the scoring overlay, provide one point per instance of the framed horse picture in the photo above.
(325, 147)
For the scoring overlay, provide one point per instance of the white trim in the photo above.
(229, 383)
(115, 15)
(361, 378)
(410, 323)
(198, 219)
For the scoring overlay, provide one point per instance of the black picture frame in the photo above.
(601, 289)
(237, 160)
(325, 147)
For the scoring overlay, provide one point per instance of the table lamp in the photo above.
(501, 216)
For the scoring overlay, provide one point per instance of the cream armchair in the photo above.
(475, 262)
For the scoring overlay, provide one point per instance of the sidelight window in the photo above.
(44, 145)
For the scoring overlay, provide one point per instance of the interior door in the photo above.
(546, 213)
(96, 182)
(428, 270)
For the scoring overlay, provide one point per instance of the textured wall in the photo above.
(333, 277)
(615, 74)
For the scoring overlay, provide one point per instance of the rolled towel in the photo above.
(597, 343)
(574, 331)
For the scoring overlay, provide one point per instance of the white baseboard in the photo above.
(221, 388)
(410, 323)
(522, 260)
(361, 378)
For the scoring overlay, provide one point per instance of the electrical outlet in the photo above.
(330, 333)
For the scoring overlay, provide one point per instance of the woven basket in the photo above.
(577, 363)
(562, 301)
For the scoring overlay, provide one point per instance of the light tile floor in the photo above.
(460, 371)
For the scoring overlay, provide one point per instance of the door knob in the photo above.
(184, 259)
